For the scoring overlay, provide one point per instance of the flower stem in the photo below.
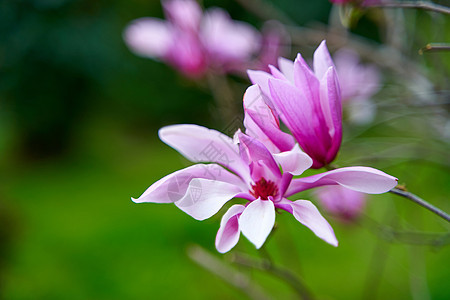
(425, 5)
(421, 202)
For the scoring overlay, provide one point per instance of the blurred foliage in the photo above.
(79, 115)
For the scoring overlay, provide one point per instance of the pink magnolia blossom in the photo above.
(308, 103)
(358, 84)
(245, 168)
(342, 202)
(192, 41)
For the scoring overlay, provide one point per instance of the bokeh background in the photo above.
(79, 115)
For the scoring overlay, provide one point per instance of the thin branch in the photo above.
(410, 237)
(421, 202)
(425, 5)
(226, 273)
(284, 274)
(434, 47)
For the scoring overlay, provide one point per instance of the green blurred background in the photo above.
(79, 115)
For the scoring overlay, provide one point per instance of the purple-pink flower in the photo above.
(192, 41)
(308, 102)
(358, 83)
(346, 204)
(245, 168)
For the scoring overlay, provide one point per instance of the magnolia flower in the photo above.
(342, 202)
(244, 168)
(192, 41)
(358, 84)
(308, 103)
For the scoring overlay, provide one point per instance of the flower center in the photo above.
(263, 189)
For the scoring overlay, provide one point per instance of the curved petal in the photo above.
(200, 144)
(294, 161)
(260, 160)
(257, 220)
(260, 78)
(361, 179)
(149, 37)
(262, 123)
(205, 197)
(298, 115)
(228, 234)
(172, 187)
(330, 99)
(287, 68)
(307, 213)
(322, 60)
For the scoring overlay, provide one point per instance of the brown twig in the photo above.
(421, 202)
(425, 5)
(434, 47)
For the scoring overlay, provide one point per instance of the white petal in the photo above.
(294, 161)
(361, 179)
(257, 220)
(172, 187)
(200, 144)
(204, 197)
(149, 37)
(228, 234)
(307, 213)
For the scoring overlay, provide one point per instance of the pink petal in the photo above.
(298, 115)
(188, 55)
(172, 187)
(200, 144)
(287, 68)
(228, 234)
(330, 99)
(307, 82)
(294, 161)
(149, 37)
(186, 14)
(261, 123)
(260, 78)
(259, 158)
(361, 179)
(307, 213)
(205, 197)
(227, 40)
(257, 220)
(322, 60)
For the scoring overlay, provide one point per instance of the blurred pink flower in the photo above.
(245, 168)
(192, 41)
(358, 84)
(308, 103)
(342, 202)
(275, 43)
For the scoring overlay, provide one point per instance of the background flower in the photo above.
(192, 41)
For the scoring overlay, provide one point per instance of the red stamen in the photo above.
(264, 189)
